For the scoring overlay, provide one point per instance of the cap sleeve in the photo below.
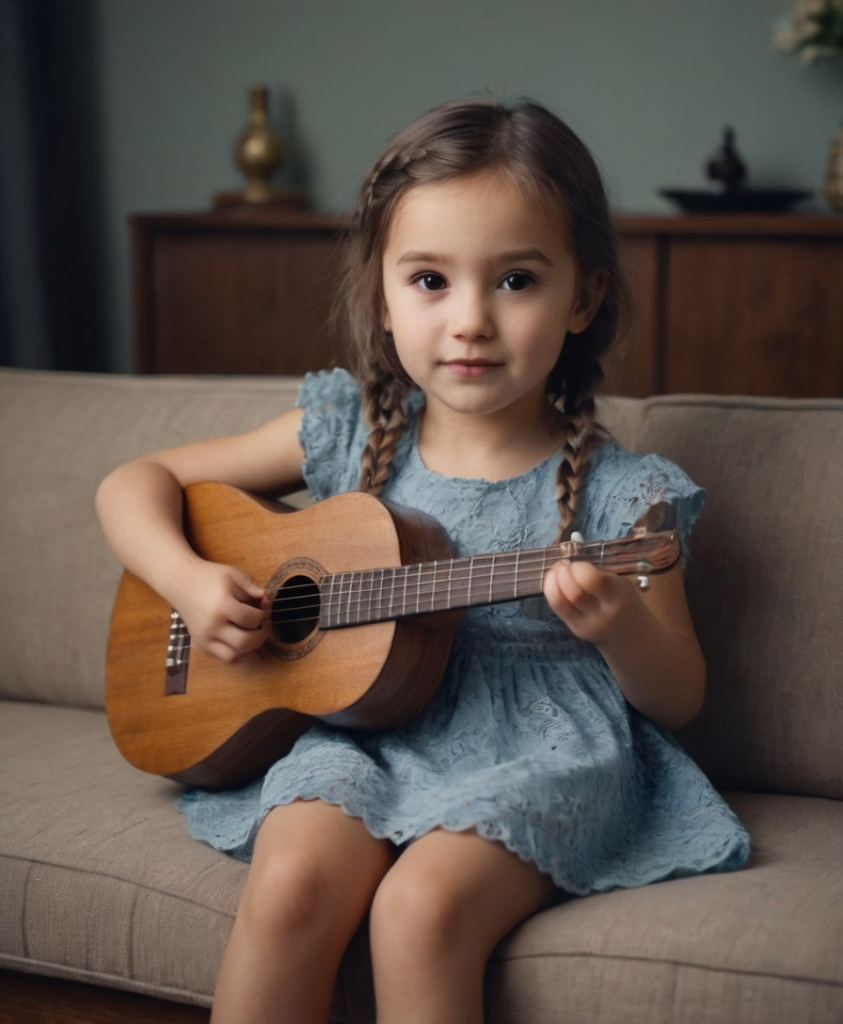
(332, 433)
(623, 486)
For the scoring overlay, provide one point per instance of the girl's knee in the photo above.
(312, 876)
(414, 913)
(286, 895)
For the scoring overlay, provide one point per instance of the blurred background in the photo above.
(117, 107)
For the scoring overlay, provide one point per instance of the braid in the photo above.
(383, 407)
(582, 434)
(384, 382)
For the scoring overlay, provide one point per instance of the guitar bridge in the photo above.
(178, 655)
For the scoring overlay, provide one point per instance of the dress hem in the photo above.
(732, 857)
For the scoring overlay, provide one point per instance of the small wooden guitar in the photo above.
(365, 597)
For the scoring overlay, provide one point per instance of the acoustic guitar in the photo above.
(365, 597)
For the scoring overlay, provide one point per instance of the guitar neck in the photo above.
(375, 595)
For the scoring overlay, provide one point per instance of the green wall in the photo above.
(649, 84)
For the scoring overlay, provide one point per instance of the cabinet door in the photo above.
(632, 366)
(754, 316)
(239, 302)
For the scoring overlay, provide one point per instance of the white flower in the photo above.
(814, 28)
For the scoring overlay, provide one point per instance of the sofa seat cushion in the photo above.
(100, 882)
(99, 879)
(762, 944)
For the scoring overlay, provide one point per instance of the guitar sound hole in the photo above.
(295, 609)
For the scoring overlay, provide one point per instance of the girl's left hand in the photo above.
(646, 637)
(592, 602)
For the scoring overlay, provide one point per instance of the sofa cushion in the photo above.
(765, 584)
(59, 578)
(762, 944)
(100, 882)
(99, 879)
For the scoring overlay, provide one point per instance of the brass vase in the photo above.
(833, 185)
(259, 152)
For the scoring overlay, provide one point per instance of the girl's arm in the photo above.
(646, 637)
(140, 508)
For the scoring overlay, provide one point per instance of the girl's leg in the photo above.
(435, 919)
(312, 879)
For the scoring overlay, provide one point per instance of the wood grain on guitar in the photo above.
(365, 599)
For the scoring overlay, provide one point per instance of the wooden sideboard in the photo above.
(727, 304)
(239, 291)
(735, 304)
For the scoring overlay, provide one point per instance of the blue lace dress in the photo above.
(529, 739)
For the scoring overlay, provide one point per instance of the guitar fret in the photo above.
(347, 592)
(380, 593)
(327, 588)
(349, 597)
(340, 599)
(325, 611)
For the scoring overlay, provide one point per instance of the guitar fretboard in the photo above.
(352, 598)
(375, 595)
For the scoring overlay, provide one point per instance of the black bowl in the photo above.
(742, 200)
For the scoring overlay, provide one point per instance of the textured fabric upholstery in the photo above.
(765, 584)
(694, 942)
(100, 881)
(61, 434)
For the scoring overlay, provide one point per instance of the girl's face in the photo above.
(480, 288)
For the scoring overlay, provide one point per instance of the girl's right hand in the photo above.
(224, 610)
(140, 505)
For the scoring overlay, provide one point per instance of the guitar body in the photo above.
(212, 724)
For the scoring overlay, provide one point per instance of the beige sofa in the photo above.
(101, 884)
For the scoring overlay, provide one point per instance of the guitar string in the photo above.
(465, 585)
(431, 570)
(459, 584)
(600, 552)
(473, 564)
(421, 597)
(464, 588)
(528, 561)
(525, 562)
(420, 586)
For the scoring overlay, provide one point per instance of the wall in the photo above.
(649, 85)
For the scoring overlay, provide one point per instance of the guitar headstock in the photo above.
(651, 546)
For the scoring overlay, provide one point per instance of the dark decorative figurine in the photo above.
(725, 169)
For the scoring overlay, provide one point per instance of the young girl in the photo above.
(482, 291)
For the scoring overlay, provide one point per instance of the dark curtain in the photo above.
(50, 213)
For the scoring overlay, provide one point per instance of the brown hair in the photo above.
(544, 158)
